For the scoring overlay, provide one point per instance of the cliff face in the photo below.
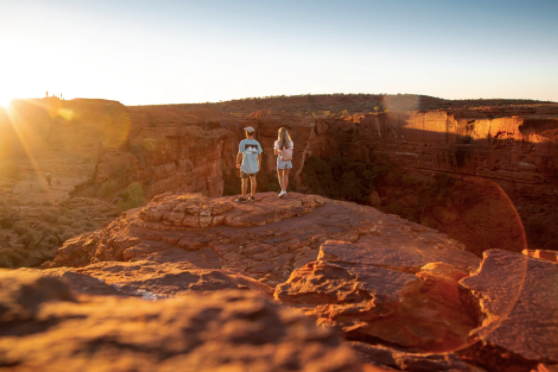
(520, 152)
(85, 143)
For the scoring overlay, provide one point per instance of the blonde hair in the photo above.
(283, 139)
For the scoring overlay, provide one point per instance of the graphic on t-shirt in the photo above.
(251, 149)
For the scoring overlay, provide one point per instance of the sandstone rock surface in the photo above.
(266, 239)
(401, 295)
(404, 361)
(152, 280)
(43, 324)
(516, 299)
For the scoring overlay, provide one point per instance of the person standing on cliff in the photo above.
(248, 160)
(283, 148)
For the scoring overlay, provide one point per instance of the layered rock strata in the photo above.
(519, 152)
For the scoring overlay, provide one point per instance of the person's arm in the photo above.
(239, 155)
(275, 148)
(260, 150)
(238, 160)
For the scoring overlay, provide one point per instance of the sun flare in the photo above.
(5, 101)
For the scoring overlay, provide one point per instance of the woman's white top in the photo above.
(276, 145)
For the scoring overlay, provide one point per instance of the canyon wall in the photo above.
(519, 152)
(85, 143)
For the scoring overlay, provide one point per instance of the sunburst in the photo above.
(5, 101)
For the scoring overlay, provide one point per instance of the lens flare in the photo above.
(5, 102)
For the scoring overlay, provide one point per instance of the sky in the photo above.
(155, 52)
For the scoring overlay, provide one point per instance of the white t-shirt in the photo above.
(276, 145)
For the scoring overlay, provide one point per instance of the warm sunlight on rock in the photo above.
(66, 113)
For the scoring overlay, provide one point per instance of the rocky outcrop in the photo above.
(43, 325)
(385, 289)
(267, 239)
(515, 297)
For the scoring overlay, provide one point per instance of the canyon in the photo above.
(466, 286)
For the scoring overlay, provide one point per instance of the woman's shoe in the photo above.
(283, 193)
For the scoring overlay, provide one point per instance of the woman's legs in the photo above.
(280, 176)
(285, 179)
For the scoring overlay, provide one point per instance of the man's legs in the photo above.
(244, 186)
(254, 184)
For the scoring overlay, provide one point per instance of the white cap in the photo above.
(249, 129)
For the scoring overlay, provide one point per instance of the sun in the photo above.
(5, 101)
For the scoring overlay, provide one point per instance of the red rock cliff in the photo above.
(519, 152)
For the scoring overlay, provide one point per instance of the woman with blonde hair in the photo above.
(283, 148)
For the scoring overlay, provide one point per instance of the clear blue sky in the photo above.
(142, 52)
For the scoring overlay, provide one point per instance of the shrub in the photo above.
(11, 169)
(21, 228)
(48, 216)
(11, 258)
(108, 189)
(133, 197)
(408, 181)
(62, 220)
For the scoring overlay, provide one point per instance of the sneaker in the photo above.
(283, 193)
(241, 200)
(251, 198)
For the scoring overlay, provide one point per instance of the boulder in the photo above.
(401, 293)
(515, 298)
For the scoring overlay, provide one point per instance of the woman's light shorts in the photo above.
(283, 164)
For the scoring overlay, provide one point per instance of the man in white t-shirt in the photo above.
(248, 161)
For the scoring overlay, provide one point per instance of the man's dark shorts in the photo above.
(245, 175)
